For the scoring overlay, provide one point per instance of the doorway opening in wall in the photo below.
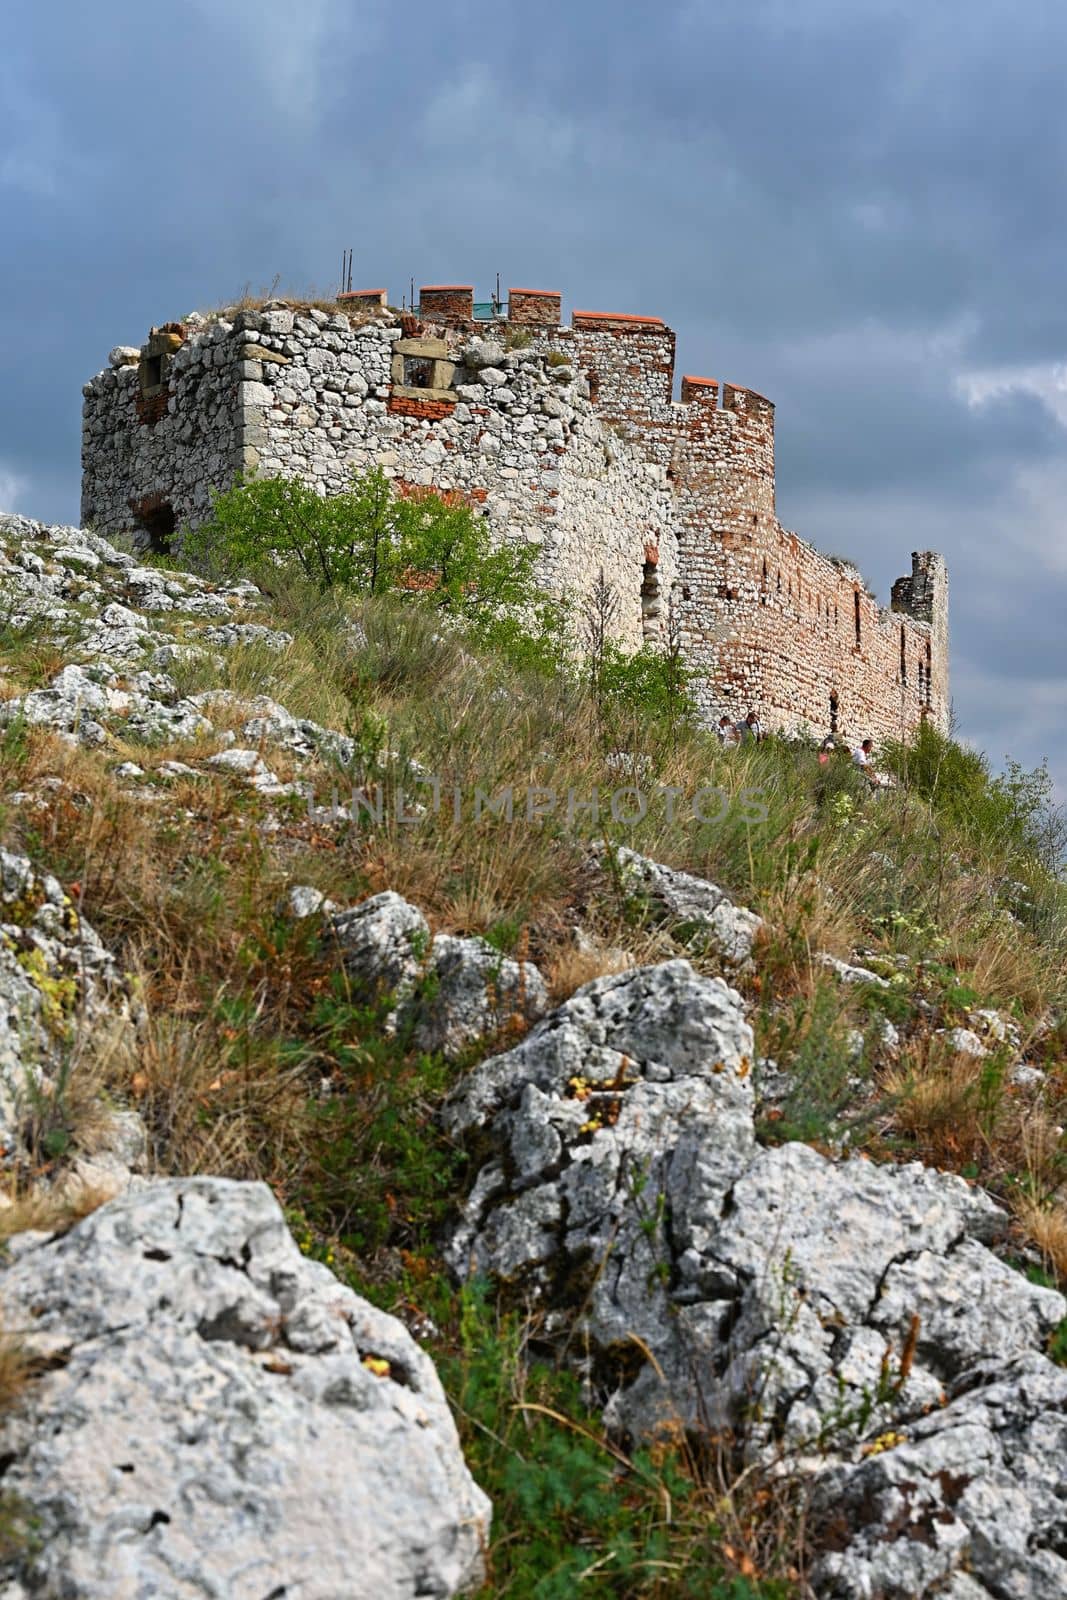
(158, 524)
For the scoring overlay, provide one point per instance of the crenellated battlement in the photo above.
(567, 436)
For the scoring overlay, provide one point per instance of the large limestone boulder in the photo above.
(699, 914)
(848, 1321)
(633, 1097)
(449, 992)
(218, 1417)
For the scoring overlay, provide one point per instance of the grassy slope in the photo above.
(247, 1016)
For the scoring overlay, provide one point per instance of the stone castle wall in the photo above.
(766, 621)
(316, 396)
(568, 438)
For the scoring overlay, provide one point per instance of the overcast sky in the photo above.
(854, 206)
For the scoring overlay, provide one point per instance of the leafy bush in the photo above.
(651, 683)
(370, 541)
(1011, 812)
(380, 1171)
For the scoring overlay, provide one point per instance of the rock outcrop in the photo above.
(214, 1415)
(826, 1313)
(698, 914)
(56, 980)
(449, 992)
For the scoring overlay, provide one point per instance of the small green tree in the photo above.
(652, 683)
(273, 525)
(369, 540)
(1015, 811)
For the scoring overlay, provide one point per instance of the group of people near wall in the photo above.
(749, 730)
(744, 732)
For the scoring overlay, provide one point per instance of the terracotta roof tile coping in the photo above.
(615, 316)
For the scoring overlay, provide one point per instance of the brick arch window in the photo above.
(763, 586)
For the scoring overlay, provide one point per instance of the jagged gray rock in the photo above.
(972, 1498)
(449, 992)
(220, 1417)
(56, 978)
(631, 1099)
(699, 914)
(469, 992)
(383, 940)
(810, 1306)
(303, 900)
(848, 973)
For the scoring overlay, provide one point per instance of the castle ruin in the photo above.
(566, 437)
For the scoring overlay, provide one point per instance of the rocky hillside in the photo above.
(461, 1136)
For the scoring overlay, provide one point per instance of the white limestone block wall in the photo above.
(313, 395)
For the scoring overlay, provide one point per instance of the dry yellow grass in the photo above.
(580, 962)
(1046, 1227)
(45, 1209)
(935, 1098)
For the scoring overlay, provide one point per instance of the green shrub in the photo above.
(380, 1171)
(1013, 812)
(370, 541)
(651, 683)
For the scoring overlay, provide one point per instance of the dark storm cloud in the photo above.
(855, 208)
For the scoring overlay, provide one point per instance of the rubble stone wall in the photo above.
(766, 621)
(567, 438)
(319, 396)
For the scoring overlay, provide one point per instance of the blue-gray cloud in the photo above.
(853, 207)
